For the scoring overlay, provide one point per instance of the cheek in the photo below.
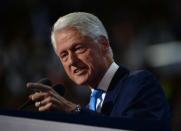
(66, 68)
(93, 58)
(91, 62)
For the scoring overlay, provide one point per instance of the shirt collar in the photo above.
(106, 80)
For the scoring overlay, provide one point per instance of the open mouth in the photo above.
(79, 70)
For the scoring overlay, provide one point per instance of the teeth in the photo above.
(77, 70)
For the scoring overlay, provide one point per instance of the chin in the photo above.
(81, 82)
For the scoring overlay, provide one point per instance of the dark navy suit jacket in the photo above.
(133, 95)
(136, 95)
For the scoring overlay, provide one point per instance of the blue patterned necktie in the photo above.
(93, 99)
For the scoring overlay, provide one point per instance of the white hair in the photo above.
(88, 25)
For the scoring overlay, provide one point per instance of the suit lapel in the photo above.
(113, 90)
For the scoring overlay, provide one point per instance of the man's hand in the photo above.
(46, 98)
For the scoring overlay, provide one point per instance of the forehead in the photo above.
(70, 36)
(67, 34)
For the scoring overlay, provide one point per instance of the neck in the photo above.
(97, 80)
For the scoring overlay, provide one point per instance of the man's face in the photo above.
(82, 57)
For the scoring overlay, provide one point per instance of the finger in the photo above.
(49, 103)
(39, 96)
(56, 103)
(38, 86)
(57, 99)
(56, 95)
(52, 100)
(47, 100)
(45, 107)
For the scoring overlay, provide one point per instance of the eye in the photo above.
(63, 56)
(79, 49)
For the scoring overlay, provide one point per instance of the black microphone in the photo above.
(58, 88)
(45, 81)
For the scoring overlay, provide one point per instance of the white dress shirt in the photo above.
(104, 84)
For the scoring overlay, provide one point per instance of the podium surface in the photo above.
(14, 120)
(9, 123)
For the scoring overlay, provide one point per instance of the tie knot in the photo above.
(93, 99)
(96, 93)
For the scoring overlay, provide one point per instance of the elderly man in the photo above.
(82, 45)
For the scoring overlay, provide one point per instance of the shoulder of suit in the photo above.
(140, 75)
(143, 72)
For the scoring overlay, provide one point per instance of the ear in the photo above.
(104, 42)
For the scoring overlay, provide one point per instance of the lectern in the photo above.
(15, 120)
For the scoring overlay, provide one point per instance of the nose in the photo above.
(73, 59)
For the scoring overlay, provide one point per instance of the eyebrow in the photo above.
(71, 47)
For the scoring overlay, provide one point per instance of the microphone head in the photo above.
(45, 81)
(59, 89)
